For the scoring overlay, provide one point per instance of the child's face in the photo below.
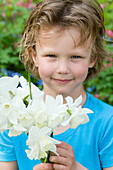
(62, 66)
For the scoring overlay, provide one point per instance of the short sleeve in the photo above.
(7, 152)
(106, 146)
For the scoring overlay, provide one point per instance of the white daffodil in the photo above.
(16, 130)
(77, 114)
(13, 114)
(24, 119)
(76, 103)
(37, 109)
(7, 85)
(4, 113)
(8, 117)
(7, 114)
(10, 114)
(55, 110)
(24, 91)
(39, 143)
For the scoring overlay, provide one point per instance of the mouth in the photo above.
(62, 81)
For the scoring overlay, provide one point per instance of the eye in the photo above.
(75, 57)
(51, 56)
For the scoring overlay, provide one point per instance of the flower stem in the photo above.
(46, 160)
(69, 111)
(51, 135)
(48, 153)
(29, 79)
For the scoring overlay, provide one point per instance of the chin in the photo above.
(62, 92)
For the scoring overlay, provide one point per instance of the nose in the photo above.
(62, 66)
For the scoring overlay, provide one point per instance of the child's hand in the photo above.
(66, 159)
(43, 166)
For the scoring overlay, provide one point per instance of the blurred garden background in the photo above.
(13, 15)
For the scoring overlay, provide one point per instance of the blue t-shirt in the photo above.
(92, 142)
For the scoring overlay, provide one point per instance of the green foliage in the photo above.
(108, 13)
(12, 20)
(102, 86)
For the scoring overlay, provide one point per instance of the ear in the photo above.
(34, 56)
(92, 63)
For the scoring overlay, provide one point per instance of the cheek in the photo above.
(81, 71)
(45, 70)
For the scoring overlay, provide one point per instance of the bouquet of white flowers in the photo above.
(23, 109)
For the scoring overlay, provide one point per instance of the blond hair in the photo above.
(87, 15)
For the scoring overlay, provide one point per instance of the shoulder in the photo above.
(101, 121)
(7, 152)
(98, 106)
(103, 112)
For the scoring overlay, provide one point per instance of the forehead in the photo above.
(50, 35)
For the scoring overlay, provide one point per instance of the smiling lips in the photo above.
(62, 81)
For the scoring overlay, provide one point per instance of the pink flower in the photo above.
(96, 95)
(34, 6)
(111, 59)
(102, 5)
(109, 33)
(110, 65)
(28, 5)
(10, 5)
(15, 45)
(19, 4)
(30, 1)
(3, 14)
(105, 65)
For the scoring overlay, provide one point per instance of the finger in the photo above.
(64, 152)
(61, 152)
(43, 166)
(58, 160)
(63, 145)
(59, 167)
(53, 154)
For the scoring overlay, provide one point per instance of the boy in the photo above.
(63, 44)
